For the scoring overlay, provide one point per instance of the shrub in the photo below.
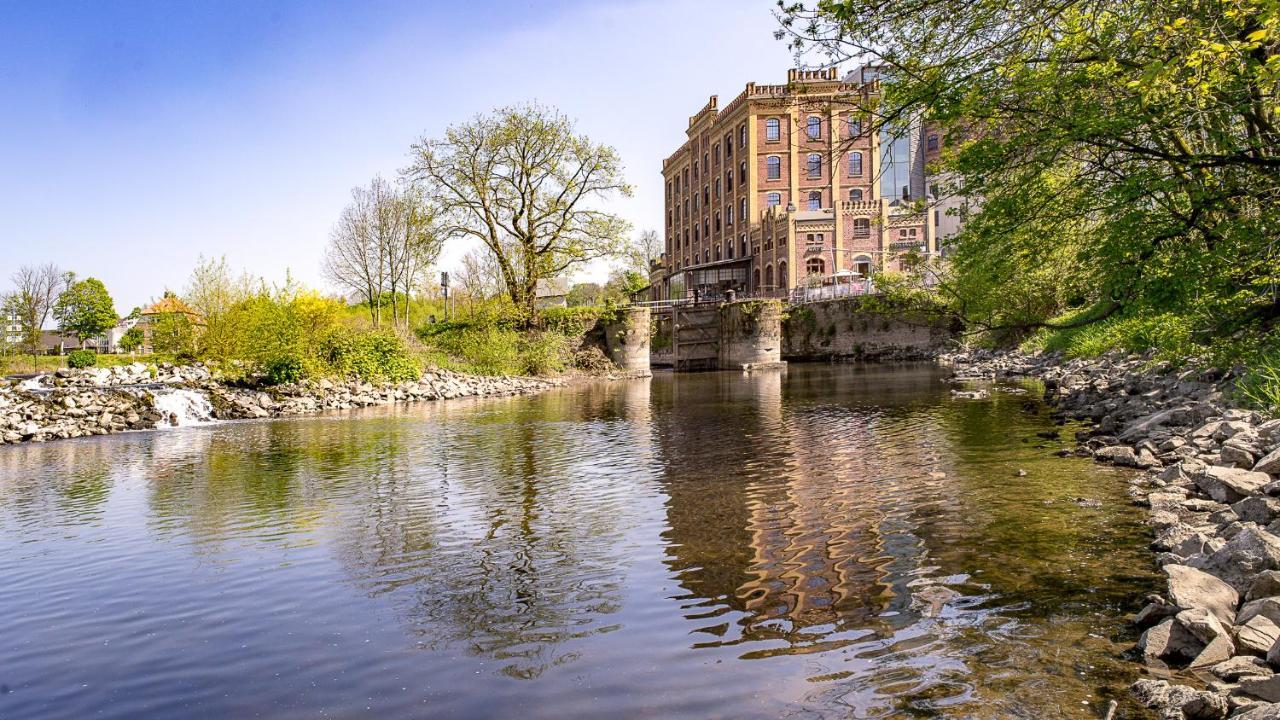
(370, 356)
(1260, 387)
(285, 369)
(82, 358)
(571, 320)
(544, 353)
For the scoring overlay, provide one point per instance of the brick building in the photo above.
(786, 185)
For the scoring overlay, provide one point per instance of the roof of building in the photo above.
(553, 287)
(169, 304)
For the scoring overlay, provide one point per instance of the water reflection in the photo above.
(823, 542)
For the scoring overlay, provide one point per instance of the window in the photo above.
(815, 200)
(706, 229)
(728, 250)
(696, 199)
(716, 150)
(717, 188)
(773, 166)
(906, 192)
(742, 140)
(728, 145)
(755, 278)
(706, 160)
(782, 271)
(717, 221)
(717, 253)
(669, 217)
(744, 244)
(742, 208)
(695, 169)
(706, 256)
(862, 265)
(932, 142)
(814, 127)
(696, 235)
(815, 165)
(855, 127)
(677, 184)
(861, 227)
(685, 173)
(814, 266)
(742, 172)
(728, 180)
(855, 195)
(768, 276)
(668, 189)
(686, 205)
(855, 164)
(686, 239)
(773, 199)
(772, 130)
(706, 195)
(728, 215)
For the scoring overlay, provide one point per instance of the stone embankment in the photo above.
(98, 401)
(1211, 479)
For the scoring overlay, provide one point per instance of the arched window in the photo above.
(855, 164)
(742, 209)
(855, 195)
(755, 278)
(742, 172)
(768, 276)
(815, 200)
(862, 265)
(815, 165)
(706, 255)
(717, 221)
(814, 127)
(773, 167)
(717, 187)
(814, 266)
(861, 227)
(782, 275)
(742, 136)
(717, 253)
(772, 129)
(773, 199)
(743, 241)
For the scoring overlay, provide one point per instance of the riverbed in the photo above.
(829, 541)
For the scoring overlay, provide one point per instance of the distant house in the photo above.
(551, 293)
(168, 306)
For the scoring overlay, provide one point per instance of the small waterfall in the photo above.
(33, 384)
(180, 406)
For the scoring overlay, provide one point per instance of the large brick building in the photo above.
(786, 185)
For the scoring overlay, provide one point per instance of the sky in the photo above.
(136, 136)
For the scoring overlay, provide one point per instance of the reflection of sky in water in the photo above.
(828, 543)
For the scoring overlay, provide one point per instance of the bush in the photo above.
(82, 358)
(285, 369)
(370, 356)
(571, 320)
(1169, 334)
(544, 353)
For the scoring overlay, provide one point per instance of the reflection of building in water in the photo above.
(800, 520)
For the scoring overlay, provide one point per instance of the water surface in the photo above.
(834, 542)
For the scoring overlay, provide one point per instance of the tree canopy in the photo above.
(524, 183)
(1124, 153)
(85, 309)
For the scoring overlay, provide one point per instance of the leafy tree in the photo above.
(85, 309)
(132, 339)
(1125, 153)
(584, 294)
(522, 181)
(172, 334)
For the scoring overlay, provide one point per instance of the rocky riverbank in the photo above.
(98, 401)
(1211, 480)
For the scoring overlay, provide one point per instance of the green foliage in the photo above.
(85, 309)
(285, 369)
(172, 334)
(1120, 156)
(82, 358)
(496, 348)
(132, 339)
(370, 356)
(1260, 387)
(573, 320)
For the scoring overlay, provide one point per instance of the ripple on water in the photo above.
(831, 542)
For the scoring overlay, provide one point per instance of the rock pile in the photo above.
(1213, 488)
(97, 401)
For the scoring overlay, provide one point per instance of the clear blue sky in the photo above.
(135, 136)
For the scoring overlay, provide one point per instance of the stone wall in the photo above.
(750, 333)
(857, 328)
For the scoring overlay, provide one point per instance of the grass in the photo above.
(22, 364)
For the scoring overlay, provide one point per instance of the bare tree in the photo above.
(478, 278)
(521, 181)
(384, 241)
(31, 302)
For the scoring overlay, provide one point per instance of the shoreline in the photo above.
(1209, 474)
(102, 401)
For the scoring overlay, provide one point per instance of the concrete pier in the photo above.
(627, 339)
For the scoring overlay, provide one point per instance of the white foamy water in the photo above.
(33, 384)
(182, 407)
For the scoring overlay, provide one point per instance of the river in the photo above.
(835, 541)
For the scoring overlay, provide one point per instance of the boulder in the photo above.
(1260, 509)
(1250, 551)
(1268, 607)
(1269, 463)
(1179, 701)
(1230, 485)
(1266, 688)
(1170, 642)
(1266, 584)
(1257, 636)
(1240, 666)
(1219, 650)
(1191, 588)
(1118, 455)
(1203, 624)
(1259, 712)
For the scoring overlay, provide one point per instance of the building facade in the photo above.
(788, 185)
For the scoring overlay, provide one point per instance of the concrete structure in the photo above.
(627, 339)
(728, 336)
(847, 329)
(786, 184)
